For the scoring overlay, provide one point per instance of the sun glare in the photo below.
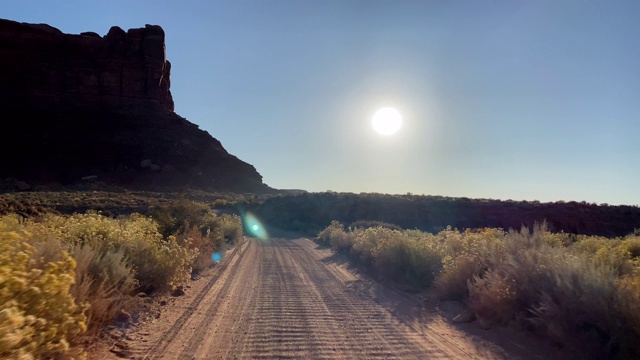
(387, 121)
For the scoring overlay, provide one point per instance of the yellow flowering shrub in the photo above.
(38, 316)
(63, 275)
(623, 255)
(158, 262)
(466, 255)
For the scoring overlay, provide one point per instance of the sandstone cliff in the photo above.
(93, 107)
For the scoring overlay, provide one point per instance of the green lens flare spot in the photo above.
(254, 227)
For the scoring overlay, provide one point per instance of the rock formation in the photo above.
(100, 108)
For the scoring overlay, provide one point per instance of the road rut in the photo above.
(286, 299)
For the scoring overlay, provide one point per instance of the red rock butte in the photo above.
(100, 108)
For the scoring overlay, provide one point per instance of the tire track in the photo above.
(200, 333)
(159, 346)
(277, 300)
(369, 330)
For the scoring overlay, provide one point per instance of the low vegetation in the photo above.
(313, 212)
(62, 277)
(579, 291)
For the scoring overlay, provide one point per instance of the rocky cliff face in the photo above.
(86, 106)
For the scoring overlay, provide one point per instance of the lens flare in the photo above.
(254, 226)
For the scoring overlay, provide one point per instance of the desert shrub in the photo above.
(171, 218)
(158, 263)
(410, 256)
(220, 203)
(198, 229)
(580, 291)
(424, 260)
(510, 285)
(390, 254)
(451, 283)
(366, 240)
(628, 309)
(590, 244)
(632, 245)
(573, 298)
(226, 228)
(365, 224)
(466, 255)
(619, 254)
(406, 257)
(579, 307)
(212, 235)
(39, 318)
(493, 297)
(337, 237)
(325, 235)
(105, 280)
(62, 274)
(202, 245)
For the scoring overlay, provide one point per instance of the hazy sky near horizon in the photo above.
(523, 100)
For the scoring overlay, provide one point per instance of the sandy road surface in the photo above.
(287, 299)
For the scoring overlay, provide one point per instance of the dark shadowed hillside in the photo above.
(79, 108)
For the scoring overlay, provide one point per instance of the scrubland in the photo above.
(581, 292)
(63, 277)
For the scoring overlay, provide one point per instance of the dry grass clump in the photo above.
(579, 291)
(106, 281)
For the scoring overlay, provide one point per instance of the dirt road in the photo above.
(287, 299)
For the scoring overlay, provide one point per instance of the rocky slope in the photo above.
(100, 109)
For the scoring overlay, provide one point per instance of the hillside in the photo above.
(87, 108)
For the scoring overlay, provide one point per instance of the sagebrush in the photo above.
(580, 291)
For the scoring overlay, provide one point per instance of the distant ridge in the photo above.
(87, 108)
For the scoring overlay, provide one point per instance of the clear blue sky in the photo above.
(534, 100)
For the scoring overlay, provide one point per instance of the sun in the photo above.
(387, 121)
